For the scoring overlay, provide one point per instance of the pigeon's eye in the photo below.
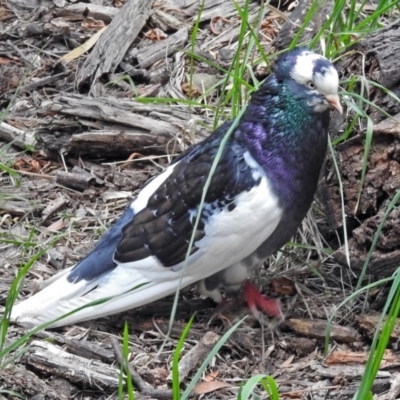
(311, 84)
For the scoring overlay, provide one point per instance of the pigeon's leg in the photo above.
(257, 301)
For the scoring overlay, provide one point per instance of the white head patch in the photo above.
(326, 81)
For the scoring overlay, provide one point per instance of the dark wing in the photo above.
(164, 227)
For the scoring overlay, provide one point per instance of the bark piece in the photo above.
(300, 345)
(382, 181)
(389, 126)
(31, 4)
(50, 359)
(347, 391)
(394, 390)
(377, 57)
(113, 44)
(317, 329)
(109, 111)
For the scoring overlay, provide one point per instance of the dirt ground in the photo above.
(82, 147)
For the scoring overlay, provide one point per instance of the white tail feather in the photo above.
(61, 297)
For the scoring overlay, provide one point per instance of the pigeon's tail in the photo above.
(113, 292)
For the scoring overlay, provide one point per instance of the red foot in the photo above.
(255, 300)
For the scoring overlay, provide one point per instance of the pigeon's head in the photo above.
(311, 77)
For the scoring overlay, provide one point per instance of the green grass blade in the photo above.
(176, 387)
(348, 299)
(193, 38)
(346, 241)
(381, 339)
(267, 382)
(367, 149)
(125, 366)
(12, 393)
(208, 359)
(12, 297)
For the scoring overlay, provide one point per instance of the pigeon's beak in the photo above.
(334, 101)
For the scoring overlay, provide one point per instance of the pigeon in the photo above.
(261, 189)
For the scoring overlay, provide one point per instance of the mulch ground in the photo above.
(82, 147)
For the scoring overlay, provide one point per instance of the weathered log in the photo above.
(118, 128)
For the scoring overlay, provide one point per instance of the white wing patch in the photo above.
(143, 197)
(230, 236)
